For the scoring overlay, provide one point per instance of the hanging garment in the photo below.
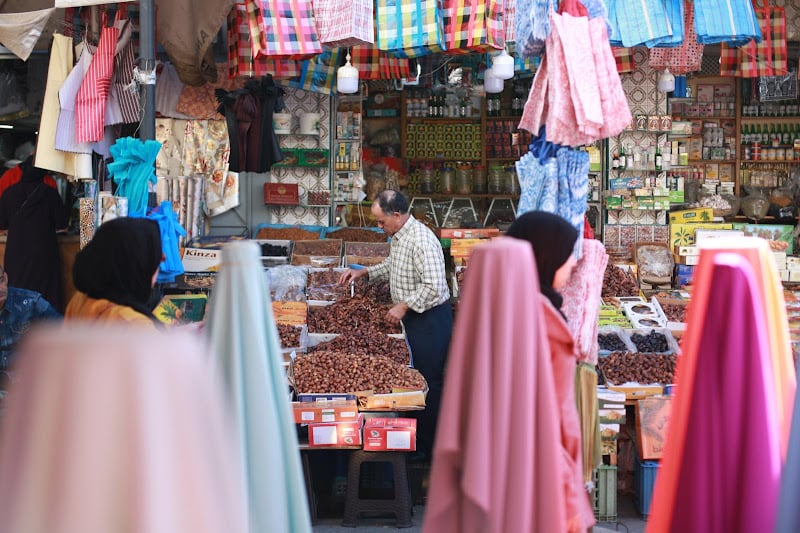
(200, 102)
(487, 477)
(169, 88)
(19, 32)
(687, 57)
(613, 100)
(61, 62)
(733, 22)
(171, 231)
(123, 105)
(65, 130)
(103, 440)
(90, 102)
(586, 400)
(246, 351)
(186, 29)
(724, 436)
(171, 133)
(132, 171)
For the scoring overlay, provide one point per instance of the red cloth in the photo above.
(721, 468)
(12, 176)
(563, 357)
(497, 451)
(90, 103)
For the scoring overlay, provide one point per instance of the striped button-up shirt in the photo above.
(415, 268)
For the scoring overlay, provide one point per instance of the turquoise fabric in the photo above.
(133, 169)
(244, 340)
(171, 232)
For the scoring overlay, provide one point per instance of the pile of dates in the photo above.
(624, 367)
(289, 335)
(323, 371)
(653, 342)
(350, 314)
(367, 341)
(618, 282)
(674, 312)
(324, 285)
(378, 291)
(274, 250)
(611, 342)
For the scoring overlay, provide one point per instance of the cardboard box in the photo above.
(612, 414)
(794, 276)
(687, 250)
(390, 434)
(290, 313)
(395, 400)
(652, 419)
(784, 274)
(335, 411)
(336, 434)
(635, 392)
(705, 235)
(468, 233)
(683, 234)
(687, 260)
(793, 263)
(779, 236)
(201, 259)
(700, 214)
(780, 260)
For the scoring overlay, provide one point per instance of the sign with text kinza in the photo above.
(201, 260)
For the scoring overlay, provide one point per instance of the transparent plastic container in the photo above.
(464, 179)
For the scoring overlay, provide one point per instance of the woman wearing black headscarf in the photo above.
(553, 240)
(32, 212)
(115, 273)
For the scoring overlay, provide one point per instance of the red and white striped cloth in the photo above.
(90, 104)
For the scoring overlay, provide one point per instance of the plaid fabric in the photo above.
(287, 29)
(688, 57)
(318, 74)
(473, 25)
(374, 64)
(241, 60)
(765, 58)
(624, 59)
(509, 15)
(344, 23)
(409, 28)
(730, 21)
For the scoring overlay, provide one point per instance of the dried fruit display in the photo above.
(323, 371)
(618, 282)
(367, 341)
(324, 285)
(674, 312)
(611, 342)
(379, 291)
(274, 250)
(357, 235)
(289, 335)
(287, 234)
(349, 315)
(624, 367)
(653, 342)
(324, 247)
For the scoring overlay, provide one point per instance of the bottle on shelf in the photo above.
(615, 160)
(659, 159)
(786, 136)
(623, 157)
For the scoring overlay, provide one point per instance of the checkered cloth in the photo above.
(409, 28)
(374, 64)
(344, 23)
(287, 29)
(765, 58)
(624, 59)
(318, 74)
(241, 60)
(687, 57)
(473, 25)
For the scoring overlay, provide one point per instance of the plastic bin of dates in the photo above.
(614, 339)
(324, 247)
(348, 234)
(349, 314)
(365, 341)
(367, 249)
(654, 340)
(293, 339)
(323, 284)
(620, 368)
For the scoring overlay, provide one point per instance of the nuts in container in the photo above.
(319, 197)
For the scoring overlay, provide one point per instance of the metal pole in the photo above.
(147, 67)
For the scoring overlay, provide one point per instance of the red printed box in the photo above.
(336, 434)
(315, 412)
(390, 434)
(281, 194)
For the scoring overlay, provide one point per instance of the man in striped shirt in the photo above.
(416, 272)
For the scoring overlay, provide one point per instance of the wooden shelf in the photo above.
(457, 196)
(442, 159)
(705, 161)
(442, 120)
(771, 161)
(504, 117)
(769, 119)
(704, 117)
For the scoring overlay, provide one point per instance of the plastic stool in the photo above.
(400, 505)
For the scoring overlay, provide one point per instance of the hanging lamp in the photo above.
(666, 81)
(347, 78)
(503, 65)
(491, 83)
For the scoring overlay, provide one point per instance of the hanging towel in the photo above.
(19, 32)
(732, 21)
(246, 351)
(61, 63)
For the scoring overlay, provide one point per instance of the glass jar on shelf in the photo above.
(510, 182)
(426, 179)
(495, 179)
(447, 180)
(479, 179)
(463, 178)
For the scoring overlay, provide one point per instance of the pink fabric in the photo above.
(562, 124)
(114, 429)
(90, 103)
(582, 299)
(580, 516)
(535, 112)
(497, 450)
(728, 474)
(613, 101)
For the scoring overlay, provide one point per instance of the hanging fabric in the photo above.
(473, 25)
(374, 64)
(767, 57)
(61, 62)
(318, 74)
(344, 23)
(638, 22)
(171, 231)
(242, 61)
(287, 29)
(675, 20)
(532, 25)
(19, 32)
(123, 92)
(733, 22)
(623, 57)
(90, 102)
(509, 19)
(688, 57)
(409, 28)
(132, 171)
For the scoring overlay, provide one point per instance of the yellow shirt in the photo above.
(82, 307)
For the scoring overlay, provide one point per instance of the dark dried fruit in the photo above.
(611, 342)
